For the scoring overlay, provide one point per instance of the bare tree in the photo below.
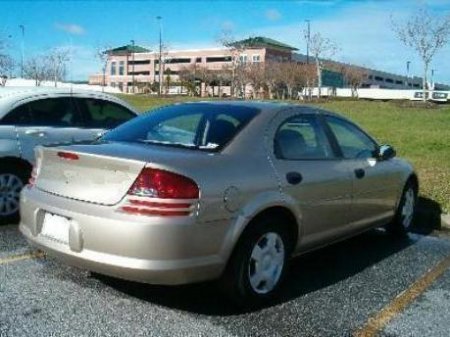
(272, 76)
(57, 59)
(426, 33)
(320, 47)
(354, 76)
(38, 68)
(102, 54)
(236, 48)
(256, 77)
(187, 78)
(6, 64)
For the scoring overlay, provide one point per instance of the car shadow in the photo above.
(308, 273)
(428, 216)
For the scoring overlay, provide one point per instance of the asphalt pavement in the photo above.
(336, 291)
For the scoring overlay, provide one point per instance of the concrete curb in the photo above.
(445, 221)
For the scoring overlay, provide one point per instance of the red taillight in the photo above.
(33, 176)
(162, 184)
(68, 155)
(152, 185)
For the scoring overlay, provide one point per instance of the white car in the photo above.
(47, 116)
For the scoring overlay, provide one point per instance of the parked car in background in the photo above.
(227, 190)
(43, 116)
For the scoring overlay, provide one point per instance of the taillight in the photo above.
(153, 184)
(156, 183)
(33, 177)
(68, 155)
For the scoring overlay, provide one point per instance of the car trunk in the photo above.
(93, 176)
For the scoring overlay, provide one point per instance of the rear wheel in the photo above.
(258, 265)
(404, 215)
(12, 179)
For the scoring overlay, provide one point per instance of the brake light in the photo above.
(32, 180)
(68, 155)
(162, 184)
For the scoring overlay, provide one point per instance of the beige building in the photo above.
(133, 64)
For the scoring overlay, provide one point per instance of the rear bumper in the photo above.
(146, 249)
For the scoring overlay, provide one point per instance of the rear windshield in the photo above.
(198, 126)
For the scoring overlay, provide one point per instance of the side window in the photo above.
(301, 137)
(58, 112)
(18, 116)
(100, 114)
(353, 142)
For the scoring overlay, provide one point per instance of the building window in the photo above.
(218, 59)
(179, 60)
(243, 59)
(398, 82)
(113, 68)
(139, 62)
(378, 78)
(198, 59)
(121, 67)
(256, 58)
(389, 80)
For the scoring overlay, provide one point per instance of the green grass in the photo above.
(420, 135)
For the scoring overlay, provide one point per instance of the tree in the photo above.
(354, 77)
(38, 68)
(57, 59)
(236, 48)
(6, 64)
(187, 78)
(426, 33)
(101, 53)
(320, 47)
(256, 77)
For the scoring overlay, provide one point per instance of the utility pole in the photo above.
(132, 66)
(407, 72)
(22, 47)
(308, 40)
(160, 55)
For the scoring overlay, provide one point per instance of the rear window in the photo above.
(199, 126)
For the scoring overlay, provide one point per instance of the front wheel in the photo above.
(404, 215)
(258, 265)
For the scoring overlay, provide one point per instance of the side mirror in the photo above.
(386, 152)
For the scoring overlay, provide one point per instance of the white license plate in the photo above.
(56, 227)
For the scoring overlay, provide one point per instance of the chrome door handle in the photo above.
(36, 133)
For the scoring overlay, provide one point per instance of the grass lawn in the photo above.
(420, 135)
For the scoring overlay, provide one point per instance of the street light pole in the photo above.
(22, 47)
(160, 55)
(132, 67)
(308, 40)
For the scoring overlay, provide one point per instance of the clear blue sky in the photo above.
(361, 28)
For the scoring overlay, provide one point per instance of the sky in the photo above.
(362, 29)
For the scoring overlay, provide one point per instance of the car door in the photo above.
(375, 182)
(44, 121)
(313, 175)
(99, 116)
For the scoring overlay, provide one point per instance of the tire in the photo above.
(404, 215)
(12, 179)
(258, 264)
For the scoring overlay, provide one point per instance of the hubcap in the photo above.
(266, 263)
(408, 208)
(10, 187)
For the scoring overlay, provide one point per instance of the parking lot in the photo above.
(350, 288)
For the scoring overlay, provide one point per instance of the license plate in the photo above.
(56, 227)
